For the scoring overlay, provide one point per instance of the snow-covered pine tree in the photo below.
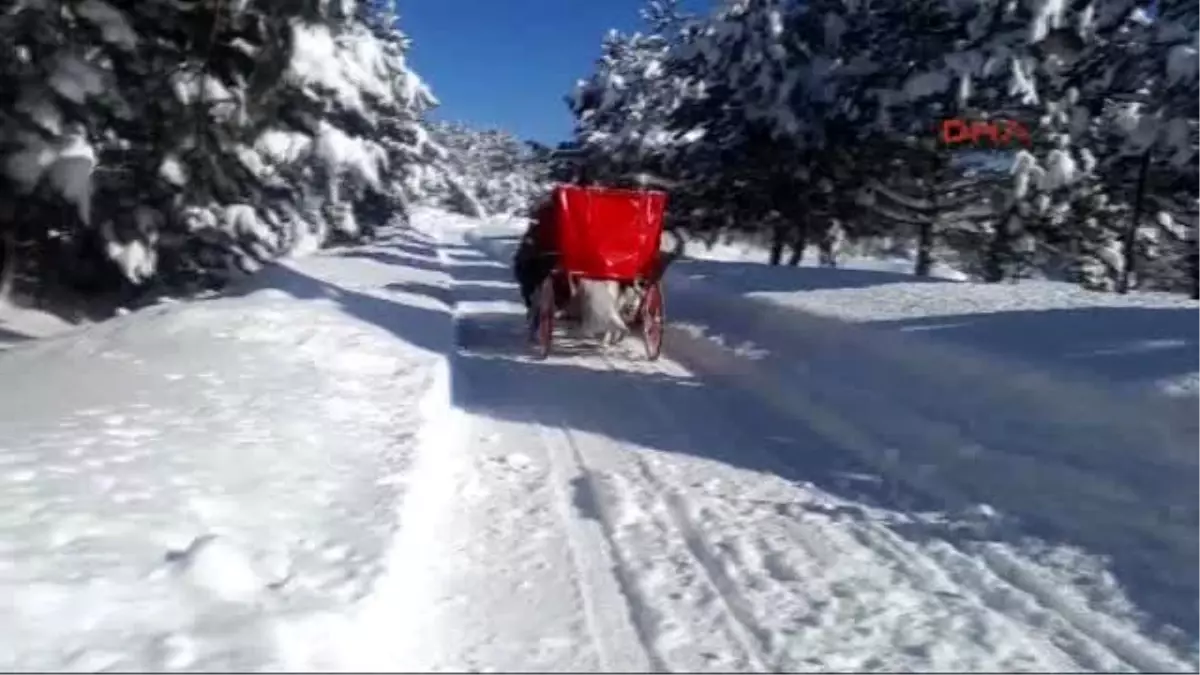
(121, 114)
(742, 173)
(1087, 73)
(486, 171)
(62, 114)
(843, 97)
(885, 75)
(346, 139)
(148, 143)
(402, 125)
(623, 110)
(1147, 145)
(1084, 70)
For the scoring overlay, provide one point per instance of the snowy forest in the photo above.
(150, 147)
(799, 122)
(487, 171)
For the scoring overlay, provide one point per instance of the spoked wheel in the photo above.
(544, 326)
(653, 318)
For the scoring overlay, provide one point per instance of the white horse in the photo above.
(606, 307)
(600, 310)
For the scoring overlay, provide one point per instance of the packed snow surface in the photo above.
(192, 485)
(357, 465)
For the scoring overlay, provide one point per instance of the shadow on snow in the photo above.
(1120, 344)
(749, 277)
(426, 328)
(10, 337)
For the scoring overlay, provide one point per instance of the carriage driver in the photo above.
(534, 261)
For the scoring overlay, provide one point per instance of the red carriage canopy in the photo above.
(607, 233)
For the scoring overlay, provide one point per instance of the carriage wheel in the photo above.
(545, 318)
(653, 320)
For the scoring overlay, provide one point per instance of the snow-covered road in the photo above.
(710, 512)
(353, 463)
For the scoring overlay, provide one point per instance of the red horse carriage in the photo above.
(602, 234)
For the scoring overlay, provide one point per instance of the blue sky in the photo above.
(508, 63)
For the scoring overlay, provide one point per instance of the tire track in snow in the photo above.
(539, 593)
(991, 593)
(678, 606)
(753, 636)
(607, 492)
(721, 572)
(742, 623)
(620, 569)
(818, 545)
(593, 556)
(610, 494)
(991, 590)
(961, 575)
(1082, 630)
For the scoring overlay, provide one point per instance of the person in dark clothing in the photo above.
(534, 260)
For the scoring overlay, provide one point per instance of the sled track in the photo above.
(951, 567)
(680, 542)
(556, 438)
(999, 582)
(583, 555)
(740, 622)
(743, 624)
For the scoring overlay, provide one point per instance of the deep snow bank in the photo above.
(1142, 340)
(182, 486)
(20, 324)
(748, 250)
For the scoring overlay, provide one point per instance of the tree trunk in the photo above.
(827, 254)
(924, 266)
(924, 250)
(47, 264)
(999, 249)
(8, 265)
(799, 244)
(778, 241)
(1193, 265)
(1129, 241)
